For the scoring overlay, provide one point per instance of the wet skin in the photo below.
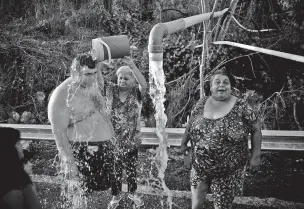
(76, 111)
(83, 106)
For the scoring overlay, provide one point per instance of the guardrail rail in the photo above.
(272, 139)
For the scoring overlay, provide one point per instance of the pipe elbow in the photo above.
(158, 32)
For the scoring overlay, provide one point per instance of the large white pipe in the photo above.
(161, 30)
(285, 55)
(193, 20)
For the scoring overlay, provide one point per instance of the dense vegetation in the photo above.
(38, 40)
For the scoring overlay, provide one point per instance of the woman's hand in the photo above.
(185, 140)
(255, 162)
(184, 148)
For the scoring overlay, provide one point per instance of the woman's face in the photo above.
(125, 80)
(19, 149)
(220, 87)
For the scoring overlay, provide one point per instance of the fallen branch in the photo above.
(251, 66)
(175, 80)
(250, 30)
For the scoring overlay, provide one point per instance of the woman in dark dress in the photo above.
(16, 187)
(218, 131)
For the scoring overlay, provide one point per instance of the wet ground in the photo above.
(49, 196)
(281, 176)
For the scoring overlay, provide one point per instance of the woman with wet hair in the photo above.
(218, 131)
(16, 188)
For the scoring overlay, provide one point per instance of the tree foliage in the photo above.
(38, 41)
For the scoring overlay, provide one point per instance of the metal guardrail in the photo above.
(272, 139)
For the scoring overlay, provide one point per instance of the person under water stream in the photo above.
(82, 128)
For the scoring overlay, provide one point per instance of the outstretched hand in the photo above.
(184, 149)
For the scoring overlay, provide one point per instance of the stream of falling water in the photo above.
(72, 192)
(157, 93)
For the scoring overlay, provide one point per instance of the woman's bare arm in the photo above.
(138, 75)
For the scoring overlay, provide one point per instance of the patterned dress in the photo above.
(220, 150)
(125, 117)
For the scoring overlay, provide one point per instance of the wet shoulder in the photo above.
(60, 93)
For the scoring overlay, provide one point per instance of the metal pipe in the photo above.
(161, 30)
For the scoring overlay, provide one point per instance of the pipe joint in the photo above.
(158, 32)
(157, 57)
(155, 48)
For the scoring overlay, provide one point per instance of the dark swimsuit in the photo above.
(95, 162)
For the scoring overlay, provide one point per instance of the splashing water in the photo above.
(157, 93)
(73, 193)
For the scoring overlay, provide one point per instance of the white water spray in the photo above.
(157, 93)
(73, 192)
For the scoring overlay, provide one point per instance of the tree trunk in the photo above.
(250, 12)
(146, 9)
(108, 4)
